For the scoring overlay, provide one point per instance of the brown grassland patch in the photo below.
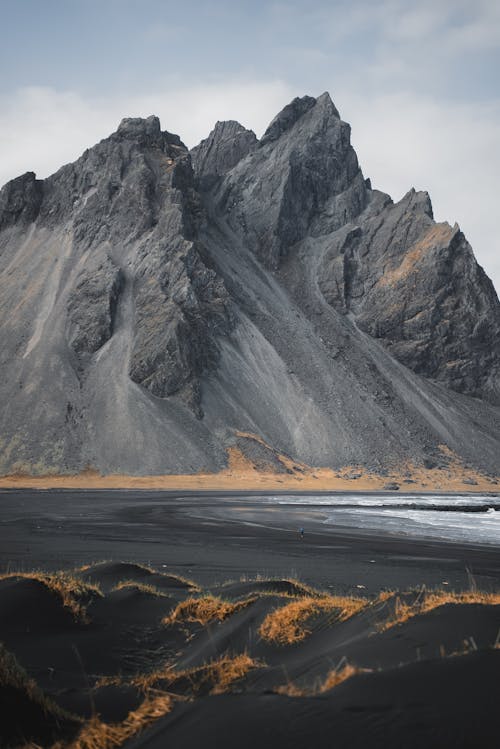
(204, 610)
(140, 587)
(12, 674)
(333, 678)
(218, 675)
(69, 588)
(146, 567)
(215, 677)
(428, 600)
(287, 625)
(98, 735)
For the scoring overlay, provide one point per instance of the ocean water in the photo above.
(465, 519)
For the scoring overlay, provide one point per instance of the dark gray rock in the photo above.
(136, 296)
(288, 116)
(227, 144)
(92, 305)
(179, 314)
(416, 286)
(20, 200)
(303, 180)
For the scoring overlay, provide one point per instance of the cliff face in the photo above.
(155, 301)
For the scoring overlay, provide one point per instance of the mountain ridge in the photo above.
(157, 301)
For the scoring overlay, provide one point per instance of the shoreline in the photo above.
(212, 538)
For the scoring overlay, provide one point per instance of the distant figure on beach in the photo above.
(301, 532)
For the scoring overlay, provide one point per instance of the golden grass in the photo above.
(287, 625)
(69, 588)
(195, 588)
(225, 671)
(301, 589)
(429, 600)
(98, 735)
(218, 675)
(241, 473)
(214, 677)
(101, 562)
(333, 678)
(140, 587)
(337, 676)
(204, 610)
(12, 674)
(146, 567)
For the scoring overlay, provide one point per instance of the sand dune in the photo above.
(147, 660)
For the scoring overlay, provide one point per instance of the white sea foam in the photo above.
(454, 518)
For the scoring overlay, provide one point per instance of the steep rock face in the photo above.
(142, 327)
(226, 145)
(92, 305)
(415, 285)
(304, 179)
(20, 200)
(181, 306)
(132, 203)
(104, 286)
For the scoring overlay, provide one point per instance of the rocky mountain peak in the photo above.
(418, 201)
(135, 126)
(287, 117)
(290, 114)
(146, 132)
(20, 200)
(305, 172)
(153, 301)
(228, 128)
(226, 145)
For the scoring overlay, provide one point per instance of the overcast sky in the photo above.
(418, 81)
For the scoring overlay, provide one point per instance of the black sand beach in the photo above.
(212, 537)
(202, 638)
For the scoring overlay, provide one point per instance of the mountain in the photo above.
(157, 303)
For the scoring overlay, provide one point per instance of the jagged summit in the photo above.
(155, 302)
(131, 127)
(305, 173)
(227, 144)
(290, 114)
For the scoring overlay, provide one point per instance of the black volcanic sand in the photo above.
(432, 704)
(417, 692)
(214, 537)
(432, 680)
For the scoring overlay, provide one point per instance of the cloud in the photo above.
(42, 128)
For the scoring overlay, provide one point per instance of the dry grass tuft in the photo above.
(13, 675)
(220, 674)
(287, 625)
(334, 677)
(69, 588)
(225, 671)
(195, 588)
(146, 567)
(429, 600)
(214, 677)
(140, 587)
(337, 676)
(204, 610)
(98, 735)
